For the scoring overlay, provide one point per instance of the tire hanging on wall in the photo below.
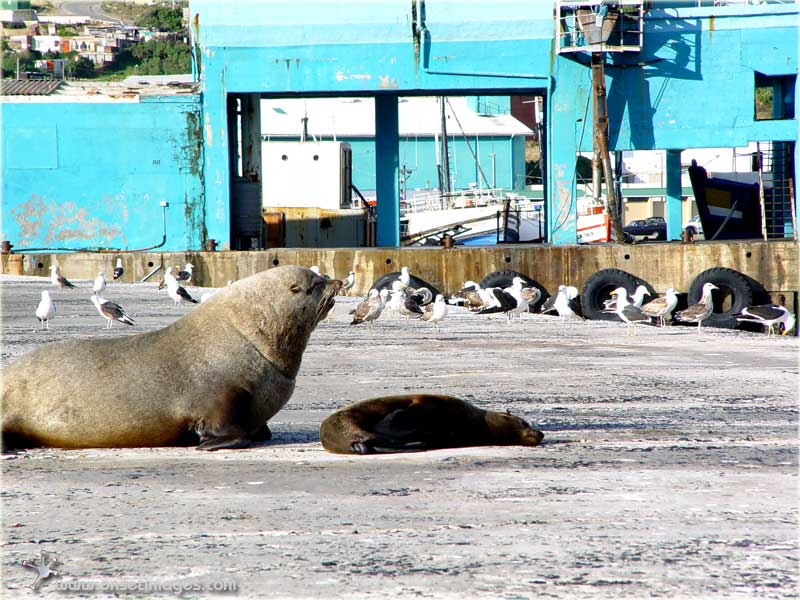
(598, 288)
(735, 293)
(415, 282)
(505, 278)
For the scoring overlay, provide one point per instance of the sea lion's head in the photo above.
(276, 310)
(511, 430)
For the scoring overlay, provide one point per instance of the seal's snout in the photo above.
(533, 437)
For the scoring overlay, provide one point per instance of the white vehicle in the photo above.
(694, 225)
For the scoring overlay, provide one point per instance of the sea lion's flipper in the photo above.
(223, 443)
(399, 425)
(383, 445)
(262, 434)
(228, 426)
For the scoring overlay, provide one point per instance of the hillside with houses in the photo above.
(117, 39)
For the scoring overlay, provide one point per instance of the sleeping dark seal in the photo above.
(213, 378)
(420, 422)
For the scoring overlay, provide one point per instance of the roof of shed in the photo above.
(354, 117)
(28, 87)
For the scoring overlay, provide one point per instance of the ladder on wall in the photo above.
(773, 161)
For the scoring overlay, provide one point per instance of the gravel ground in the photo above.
(669, 470)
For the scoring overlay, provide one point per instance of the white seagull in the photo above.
(768, 315)
(405, 277)
(118, 271)
(436, 312)
(515, 289)
(396, 298)
(697, 313)
(638, 295)
(46, 309)
(566, 304)
(58, 280)
(186, 274)
(630, 314)
(99, 283)
(111, 311)
(178, 294)
(168, 276)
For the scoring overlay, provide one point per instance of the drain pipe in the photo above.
(164, 206)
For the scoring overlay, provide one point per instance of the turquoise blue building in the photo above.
(78, 173)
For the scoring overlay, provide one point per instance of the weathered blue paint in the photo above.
(695, 89)
(387, 168)
(673, 197)
(92, 175)
(358, 48)
(90, 179)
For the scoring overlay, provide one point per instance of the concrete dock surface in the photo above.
(669, 469)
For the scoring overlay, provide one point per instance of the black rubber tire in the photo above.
(735, 293)
(387, 280)
(504, 279)
(598, 288)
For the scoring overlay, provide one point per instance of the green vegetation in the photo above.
(161, 18)
(9, 63)
(67, 30)
(155, 57)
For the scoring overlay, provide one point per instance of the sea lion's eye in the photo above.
(294, 288)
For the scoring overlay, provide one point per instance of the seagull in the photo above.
(638, 295)
(185, 274)
(111, 311)
(425, 296)
(766, 314)
(168, 276)
(58, 280)
(662, 307)
(697, 313)
(368, 309)
(178, 294)
(348, 283)
(413, 303)
(435, 312)
(497, 300)
(396, 298)
(46, 309)
(516, 291)
(630, 314)
(566, 304)
(405, 277)
(531, 295)
(550, 304)
(118, 271)
(469, 295)
(99, 283)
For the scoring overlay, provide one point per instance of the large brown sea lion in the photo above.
(420, 422)
(236, 358)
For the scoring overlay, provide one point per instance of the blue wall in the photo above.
(83, 175)
(695, 90)
(358, 48)
(89, 175)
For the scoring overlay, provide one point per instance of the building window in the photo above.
(774, 96)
